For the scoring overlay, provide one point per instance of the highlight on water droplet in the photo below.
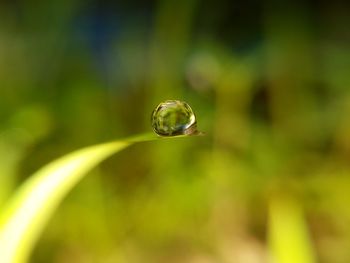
(174, 117)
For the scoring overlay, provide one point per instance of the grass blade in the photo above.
(33, 204)
(288, 233)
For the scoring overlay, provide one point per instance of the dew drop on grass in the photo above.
(174, 117)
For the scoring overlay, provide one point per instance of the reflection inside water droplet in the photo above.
(174, 117)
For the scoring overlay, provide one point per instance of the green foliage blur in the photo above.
(270, 84)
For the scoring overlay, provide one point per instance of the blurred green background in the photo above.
(269, 82)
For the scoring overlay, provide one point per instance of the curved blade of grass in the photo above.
(36, 200)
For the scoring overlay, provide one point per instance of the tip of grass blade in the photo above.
(35, 201)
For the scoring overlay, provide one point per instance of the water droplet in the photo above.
(174, 117)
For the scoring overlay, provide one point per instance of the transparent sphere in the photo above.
(173, 117)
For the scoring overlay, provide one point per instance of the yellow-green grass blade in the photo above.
(27, 213)
(288, 233)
